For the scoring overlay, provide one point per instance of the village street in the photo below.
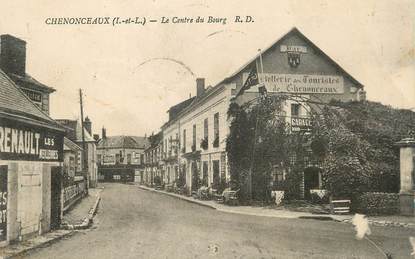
(134, 223)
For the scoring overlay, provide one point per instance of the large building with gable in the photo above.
(194, 137)
(120, 158)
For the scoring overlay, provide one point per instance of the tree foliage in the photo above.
(361, 139)
(258, 141)
(353, 141)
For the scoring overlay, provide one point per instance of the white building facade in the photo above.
(198, 127)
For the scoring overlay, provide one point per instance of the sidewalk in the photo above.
(400, 221)
(23, 247)
(76, 216)
(80, 213)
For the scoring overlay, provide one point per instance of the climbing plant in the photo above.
(353, 142)
(258, 140)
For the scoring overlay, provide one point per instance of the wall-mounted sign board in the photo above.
(20, 141)
(300, 83)
(300, 49)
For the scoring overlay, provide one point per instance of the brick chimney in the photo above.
(88, 125)
(200, 86)
(361, 95)
(12, 55)
(104, 133)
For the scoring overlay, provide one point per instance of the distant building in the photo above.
(13, 63)
(120, 158)
(74, 133)
(154, 162)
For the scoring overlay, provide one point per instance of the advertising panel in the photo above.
(19, 141)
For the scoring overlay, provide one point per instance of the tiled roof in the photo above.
(30, 82)
(155, 139)
(73, 130)
(291, 32)
(141, 141)
(88, 137)
(176, 109)
(14, 101)
(132, 142)
(69, 145)
(189, 104)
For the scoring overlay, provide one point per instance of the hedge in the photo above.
(376, 203)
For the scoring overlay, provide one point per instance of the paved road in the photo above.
(133, 223)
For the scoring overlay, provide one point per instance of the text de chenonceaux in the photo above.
(300, 83)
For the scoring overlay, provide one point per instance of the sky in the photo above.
(131, 74)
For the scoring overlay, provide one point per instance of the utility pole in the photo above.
(249, 180)
(85, 153)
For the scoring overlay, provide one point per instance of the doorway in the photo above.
(311, 180)
(55, 195)
(216, 176)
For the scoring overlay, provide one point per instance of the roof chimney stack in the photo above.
(12, 55)
(361, 95)
(200, 86)
(104, 133)
(88, 125)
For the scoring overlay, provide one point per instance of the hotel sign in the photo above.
(301, 83)
(300, 49)
(33, 95)
(301, 124)
(24, 142)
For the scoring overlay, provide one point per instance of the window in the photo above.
(216, 175)
(184, 141)
(170, 145)
(71, 169)
(216, 130)
(295, 109)
(165, 148)
(141, 159)
(205, 174)
(176, 144)
(206, 129)
(117, 158)
(121, 157)
(205, 141)
(128, 158)
(293, 159)
(194, 138)
(278, 176)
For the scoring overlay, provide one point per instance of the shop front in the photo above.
(31, 155)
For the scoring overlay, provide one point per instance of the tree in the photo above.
(256, 142)
(353, 142)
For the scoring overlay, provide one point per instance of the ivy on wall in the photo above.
(353, 142)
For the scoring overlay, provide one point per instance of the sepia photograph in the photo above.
(207, 129)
